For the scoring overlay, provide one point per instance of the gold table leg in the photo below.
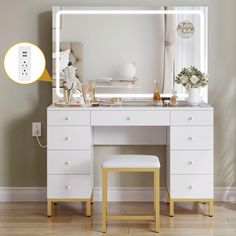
(211, 208)
(88, 207)
(171, 208)
(49, 208)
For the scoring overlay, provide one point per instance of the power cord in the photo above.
(40, 145)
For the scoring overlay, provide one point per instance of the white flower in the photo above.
(194, 79)
(188, 86)
(184, 79)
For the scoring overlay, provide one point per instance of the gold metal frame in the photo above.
(88, 201)
(155, 217)
(171, 201)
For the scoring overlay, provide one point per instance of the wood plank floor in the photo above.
(29, 218)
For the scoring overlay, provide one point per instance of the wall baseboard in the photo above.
(37, 194)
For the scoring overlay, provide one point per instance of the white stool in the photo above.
(131, 163)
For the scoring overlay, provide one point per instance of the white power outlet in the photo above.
(36, 129)
(24, 67)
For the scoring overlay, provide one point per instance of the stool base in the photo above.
(155, 217)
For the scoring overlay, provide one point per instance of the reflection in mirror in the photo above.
(109, 48)
(185, 29)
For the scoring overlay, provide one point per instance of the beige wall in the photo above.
(23, 163)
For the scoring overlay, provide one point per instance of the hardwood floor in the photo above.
(29, 218)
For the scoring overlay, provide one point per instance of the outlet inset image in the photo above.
(24, 63)
(24, 67)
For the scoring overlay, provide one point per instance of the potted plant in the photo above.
(192, 79)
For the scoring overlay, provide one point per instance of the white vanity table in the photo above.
(187, 132)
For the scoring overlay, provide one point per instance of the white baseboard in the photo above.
(37, 194)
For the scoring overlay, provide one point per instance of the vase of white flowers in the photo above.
(192, 79)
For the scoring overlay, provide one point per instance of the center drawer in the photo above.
(69, 162)
(130, 118)
(69, 137)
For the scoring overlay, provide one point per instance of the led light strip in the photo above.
(123, 12)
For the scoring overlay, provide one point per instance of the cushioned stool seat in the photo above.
(131, 163)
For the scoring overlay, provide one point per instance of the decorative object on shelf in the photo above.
(156, 93)
(185, 29)
(128, 72)
(192, 79)
(70, 84)
(173, 99)
(93, 91)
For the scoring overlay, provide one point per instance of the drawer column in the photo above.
(69, 158)
(190, 159)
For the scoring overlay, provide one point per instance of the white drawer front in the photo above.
(191, 162)
(191, 186)
(68, 118)
(130, 118)
(69, 186)
(191, 137)
(69, 137)
(191, 118)
(68, 162)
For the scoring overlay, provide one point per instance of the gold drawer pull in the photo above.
(68, 187)
(190, 118)
(67, 118)
(67, 138)
(190, 163)
(67, 163)
(128, 118)
(190, 138)
(190, 187)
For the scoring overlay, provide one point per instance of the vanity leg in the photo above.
(211, 208)
(171, 208)
(88, 208)
(91, 199)
(104, 200)
(49, 210)
(167, 197)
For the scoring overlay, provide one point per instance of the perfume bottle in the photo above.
(93, 91)
(173, 99)
(156, 93)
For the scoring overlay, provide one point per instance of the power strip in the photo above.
(24, 68)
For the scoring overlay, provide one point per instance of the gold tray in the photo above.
(63, 104)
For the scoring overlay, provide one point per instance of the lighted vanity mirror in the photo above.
(125, 49)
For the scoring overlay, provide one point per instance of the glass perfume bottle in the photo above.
(173, 99)
(156, 93)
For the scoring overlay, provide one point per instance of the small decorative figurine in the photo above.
(71, 83)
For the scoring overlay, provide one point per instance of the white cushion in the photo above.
(131, 161)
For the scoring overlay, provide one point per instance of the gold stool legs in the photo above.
(155, 217)
(104, 200)
(157, 200)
